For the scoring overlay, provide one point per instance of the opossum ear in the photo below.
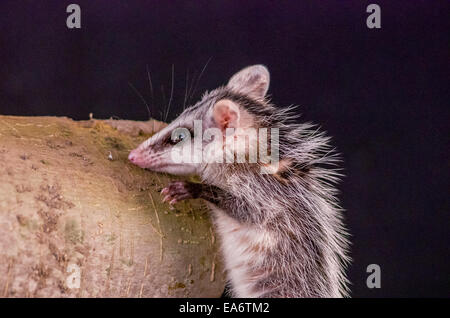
(253, 81)
(226, 114)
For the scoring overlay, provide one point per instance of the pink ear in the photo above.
(226, 114)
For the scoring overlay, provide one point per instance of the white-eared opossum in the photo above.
(281, 231)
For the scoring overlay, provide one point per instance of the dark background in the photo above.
(381, 93)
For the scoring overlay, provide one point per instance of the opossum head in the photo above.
(217, 117)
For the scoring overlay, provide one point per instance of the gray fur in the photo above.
(282, 235)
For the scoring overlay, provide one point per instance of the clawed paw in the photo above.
(179, 190)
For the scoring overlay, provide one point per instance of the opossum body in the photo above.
(281, 233)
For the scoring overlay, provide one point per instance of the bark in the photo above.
(78, 220)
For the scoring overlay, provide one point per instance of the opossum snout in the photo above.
(132, 156)
(136, 158)
(141, 159)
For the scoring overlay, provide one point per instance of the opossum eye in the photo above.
(179, 135)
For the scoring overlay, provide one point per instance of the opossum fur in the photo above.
(281, 234)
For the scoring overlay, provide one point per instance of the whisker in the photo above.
(142, 98)
(150, 84)
(164, 102)
(151, 91)
(186, 90)
(191, 86)
(200, 76)
(171, 93)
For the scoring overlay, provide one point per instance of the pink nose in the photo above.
(132, 156)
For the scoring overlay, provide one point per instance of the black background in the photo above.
(381, 93)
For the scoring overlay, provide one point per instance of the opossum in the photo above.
(281, 232)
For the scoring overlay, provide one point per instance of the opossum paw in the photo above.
(180, 190)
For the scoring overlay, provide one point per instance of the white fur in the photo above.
(238, 243)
